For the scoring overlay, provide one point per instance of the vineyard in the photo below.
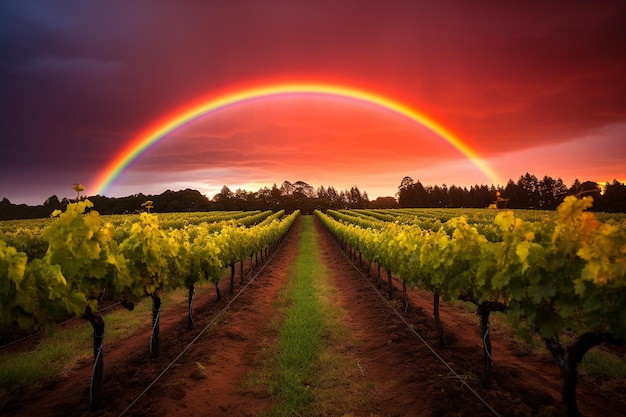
(87, 258)
(555, 277)
(549, 275)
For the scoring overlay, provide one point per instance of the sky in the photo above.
(530, 87)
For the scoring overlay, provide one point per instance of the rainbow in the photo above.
(167, 125)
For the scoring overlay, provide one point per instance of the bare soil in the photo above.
(403, 376)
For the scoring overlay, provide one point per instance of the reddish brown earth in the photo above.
(401, 375)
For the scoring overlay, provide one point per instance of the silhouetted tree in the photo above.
(321, 192)
(225, 199)
(275, 195)
(303, 188)
(592, 189)
(334, 198)
(512, 192)
(384, 203)
(551, 193)
(355, 199)
(455, 196)
(614, 198)
(437, 197)
(52, 202)
(406, 192)
(287, 188)
(528, 191)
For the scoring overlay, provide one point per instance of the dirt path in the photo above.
(403, 378)
(210, 380)
(397, 374)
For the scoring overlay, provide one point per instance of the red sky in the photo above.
(531, 86)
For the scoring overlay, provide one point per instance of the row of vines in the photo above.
(549, 273)
(130, 260)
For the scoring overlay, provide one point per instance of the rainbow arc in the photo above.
(191, 112)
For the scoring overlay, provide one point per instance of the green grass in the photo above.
(603, 364)
(301, 333)
(313, 371)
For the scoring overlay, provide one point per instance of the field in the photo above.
(371, 362)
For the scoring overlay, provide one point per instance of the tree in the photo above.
(225, 199)
(587, 188)
(52, 202)
(483, 196)
(334, 198)
(439, 198)
(287, 188)
(384, 203)
(406, 183)
(355, 199)
(614, 197)
(304, 189)
(224, 193)
(274, 197)
(455, 196)
(551, 193)
(529, 191)
(406, 193)
(591, 188)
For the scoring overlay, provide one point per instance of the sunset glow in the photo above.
(189, 113)
(143, 96)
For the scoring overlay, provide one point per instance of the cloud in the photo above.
(298, 132)
(54, 65)
(80, 80)
(597, 156)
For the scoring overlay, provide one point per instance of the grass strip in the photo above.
(301, 334)
(313, 370)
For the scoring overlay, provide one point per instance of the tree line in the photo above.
(297, 196)
(527, 193)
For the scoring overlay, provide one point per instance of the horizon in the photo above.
(370, 196)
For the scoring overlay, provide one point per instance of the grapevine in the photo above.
(547, 273)
(86, 255)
